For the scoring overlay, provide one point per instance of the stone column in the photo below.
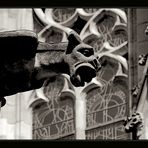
(15, 111)
(142, 48)
(138, 45)
(132, 54)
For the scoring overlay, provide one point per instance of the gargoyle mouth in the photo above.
(84, 72)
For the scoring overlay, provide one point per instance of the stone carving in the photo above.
(22, 69)
(135, 124)
(107, 95)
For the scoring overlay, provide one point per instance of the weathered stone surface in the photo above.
(17, 60)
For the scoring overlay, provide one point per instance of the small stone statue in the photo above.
(135, 124)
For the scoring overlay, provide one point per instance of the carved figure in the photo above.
(23, 66)
(134, 124)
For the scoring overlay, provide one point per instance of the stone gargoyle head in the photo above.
(83, 62)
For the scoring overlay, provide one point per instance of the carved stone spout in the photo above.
(25, 63)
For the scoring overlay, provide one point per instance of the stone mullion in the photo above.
(80, 114)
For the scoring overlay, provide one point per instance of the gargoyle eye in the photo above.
(86, 51)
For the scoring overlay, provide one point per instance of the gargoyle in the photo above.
(134, 124)
(23, 68)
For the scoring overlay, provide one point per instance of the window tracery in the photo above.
(106, 107)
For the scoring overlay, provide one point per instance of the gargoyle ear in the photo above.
(73, 41)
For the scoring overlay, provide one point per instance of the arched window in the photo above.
(106, 107)
(54, 119)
